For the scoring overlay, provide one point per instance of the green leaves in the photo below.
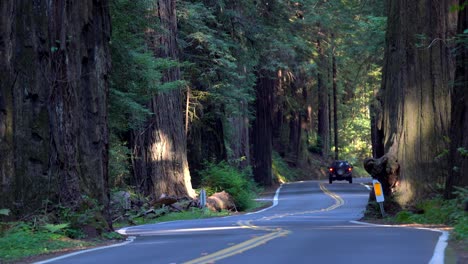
(458, 8)
(56, 228)
(5, 212)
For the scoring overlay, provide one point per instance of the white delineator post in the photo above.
(379, 195)
(202, 198)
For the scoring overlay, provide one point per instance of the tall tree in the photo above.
(262, 129)
(415, 94)
(323, 104)
(160, 164)
(53, 103)
(335, 101)
(458, 174)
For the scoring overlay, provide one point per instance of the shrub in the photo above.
(222, 176)
(23, 240)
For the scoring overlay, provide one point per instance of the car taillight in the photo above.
(330, 169)
(350, 169)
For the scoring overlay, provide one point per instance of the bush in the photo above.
(222, 176)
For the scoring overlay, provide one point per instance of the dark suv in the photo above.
(340, 170)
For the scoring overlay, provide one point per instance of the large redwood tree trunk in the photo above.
(458, 175)
(415, 94)
(262, 129)
(160, 163)
(53, 102)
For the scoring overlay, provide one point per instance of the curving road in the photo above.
(310, 222)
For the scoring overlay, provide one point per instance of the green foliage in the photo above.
(119, 167)
(222, 176)
(56, 228)
(22, 240)
(5, 211)
(458, 8)
(281, 171)
(88, 214)
(112, 236)
(440, 211)
(463, 152)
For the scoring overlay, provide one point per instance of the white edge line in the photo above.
(439, 250)
(275, 202)
(368, 187)
(129, 240)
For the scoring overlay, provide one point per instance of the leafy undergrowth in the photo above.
(238, 183)
(438, 211)
(23, 240)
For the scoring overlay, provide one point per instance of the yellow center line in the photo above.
(338, 202)
(258, 241)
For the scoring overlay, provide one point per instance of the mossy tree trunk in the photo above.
(53, 102)
(160, 163)
(415, 94)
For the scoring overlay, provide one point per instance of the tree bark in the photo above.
(53, 102)
(161, 165)
(323, 111)
(386, 170)
(458, 174)
(415, 94)
(335, 104)
(239, 141)
(262, 129)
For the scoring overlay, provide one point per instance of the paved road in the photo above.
(311, 223)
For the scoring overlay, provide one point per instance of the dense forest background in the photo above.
(147, 96)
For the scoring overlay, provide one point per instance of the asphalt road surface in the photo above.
(310, 222)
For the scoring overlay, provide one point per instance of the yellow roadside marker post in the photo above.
(379, 195)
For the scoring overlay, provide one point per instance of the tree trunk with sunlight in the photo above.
(458, 174)
(53, 103)
(415, 94)
(160, 162)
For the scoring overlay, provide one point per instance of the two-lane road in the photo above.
(311, 222)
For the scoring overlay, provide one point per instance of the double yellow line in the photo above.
(258, 241)
(244, 246)
(338, 202)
